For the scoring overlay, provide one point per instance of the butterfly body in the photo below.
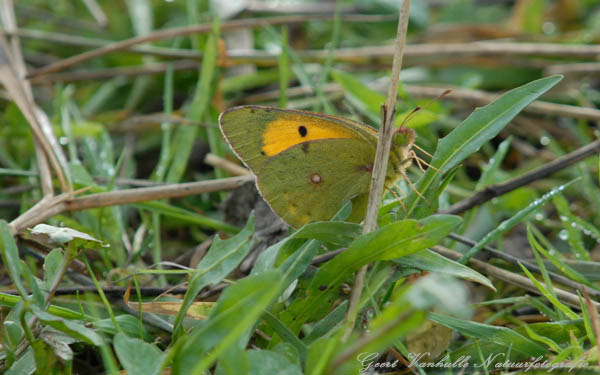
(308, 164)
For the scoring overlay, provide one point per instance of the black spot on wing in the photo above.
(302, 130)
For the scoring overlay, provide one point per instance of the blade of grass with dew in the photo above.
(573, 234)
(509, 223)
(478, 128)
(549, 296)
(558, 263)
(544, 272)
(493, 165)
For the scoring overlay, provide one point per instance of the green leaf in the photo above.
(431, 261)
(128, 324)
(325, 325)
(10, 258)
(138, 357)
(286, 334)
(63, 235)
(69, 327)
(25, 365)
(52, 267)
(45, 360)
(265, 362)
(337, 233)
(391, 241)
(222, 257)
(481, 126)
(493, 339)
(493, 165)
(237, 311)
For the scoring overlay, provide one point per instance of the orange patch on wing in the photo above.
(282, 134)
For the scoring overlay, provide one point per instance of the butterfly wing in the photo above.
(311, 181)
(258, 133)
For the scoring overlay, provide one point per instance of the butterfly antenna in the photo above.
(418, 108)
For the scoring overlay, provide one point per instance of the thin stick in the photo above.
(18, 93)
(548, 169)
(112, 198)
(525, 262)
(96, 12)
(181, 31)
(388, 111)
(512, 278)
(478, 97)
(232, 168)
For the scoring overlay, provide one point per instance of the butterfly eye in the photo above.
(302, 130)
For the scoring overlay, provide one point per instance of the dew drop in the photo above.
(539, 216)
(544, 140)
(548, 28)
(563, 235)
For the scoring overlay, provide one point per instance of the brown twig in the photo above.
(478, 97)
(232, 168)
(48, 208)
(548, 169)
(96, 12)
(527, 264)
(574, 68)
(188, 30)
(388, 112)
(17, 90)
(119, 291)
